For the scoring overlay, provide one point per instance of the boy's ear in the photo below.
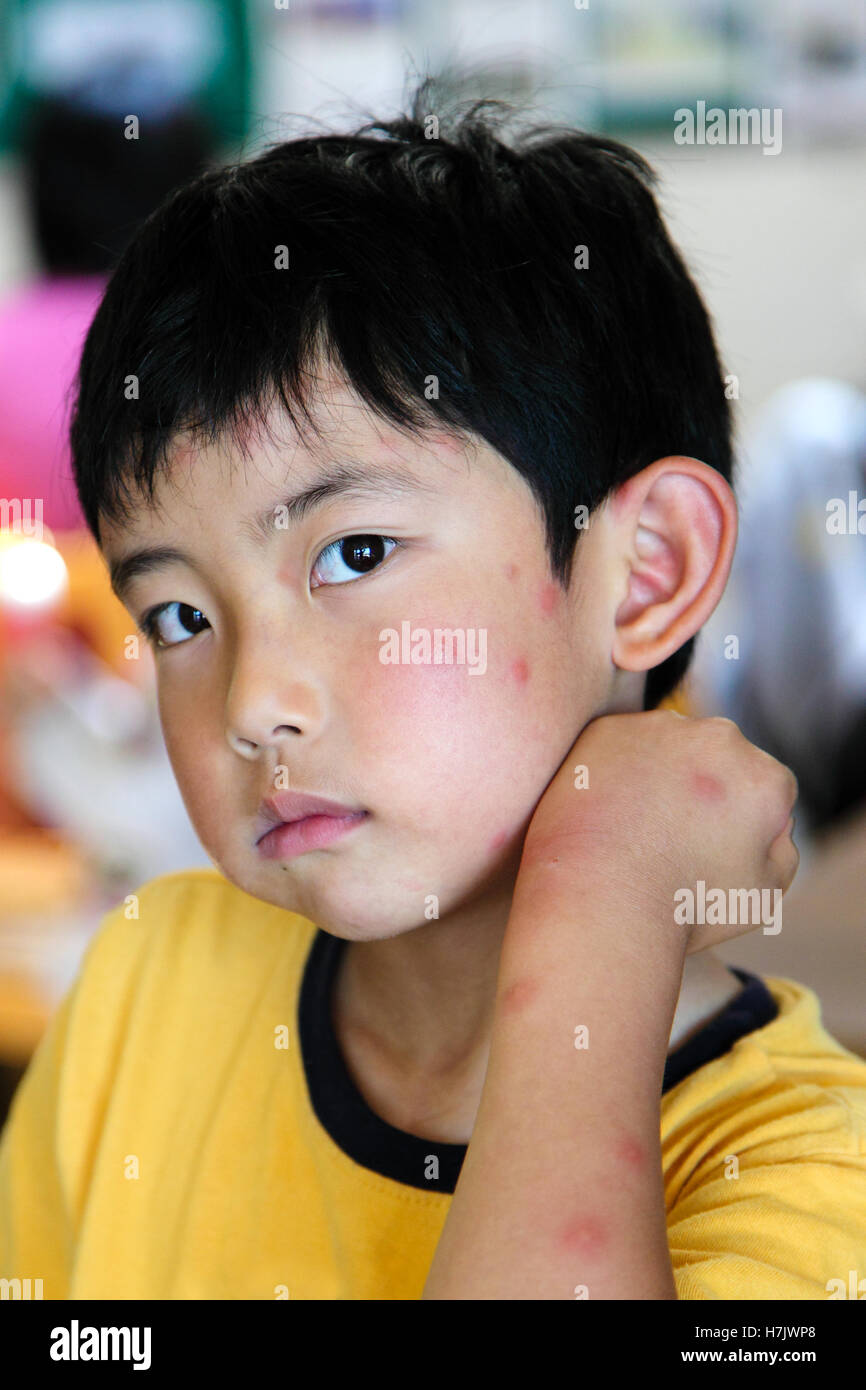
(674, 532)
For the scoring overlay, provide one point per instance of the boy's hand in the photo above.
(656, 801)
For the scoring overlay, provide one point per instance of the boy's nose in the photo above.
(274, 687)
(249, 748)
(264, 709)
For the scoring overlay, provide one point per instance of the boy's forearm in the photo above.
(561, 1194)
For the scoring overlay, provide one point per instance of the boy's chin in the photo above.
(349, 925)
(334, 913)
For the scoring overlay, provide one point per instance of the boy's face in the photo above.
(285, 673)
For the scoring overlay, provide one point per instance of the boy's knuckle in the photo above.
(718, 726)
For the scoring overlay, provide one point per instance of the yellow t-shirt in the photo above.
(187, 1129)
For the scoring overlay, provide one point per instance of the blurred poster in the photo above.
(178, 51)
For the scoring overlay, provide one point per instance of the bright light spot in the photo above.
(32, 574)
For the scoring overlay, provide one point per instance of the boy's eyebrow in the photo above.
(357, 479)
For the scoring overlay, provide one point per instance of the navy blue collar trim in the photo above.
(429, 1164)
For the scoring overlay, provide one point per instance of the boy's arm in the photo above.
(561, 1194)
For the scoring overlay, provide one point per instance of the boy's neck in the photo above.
(427, 1079)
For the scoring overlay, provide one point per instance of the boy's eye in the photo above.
(166, 628)
(357, 554)
(170, 624)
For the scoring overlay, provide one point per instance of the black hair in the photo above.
(423, 247)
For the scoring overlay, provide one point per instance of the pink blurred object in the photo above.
(42, 330)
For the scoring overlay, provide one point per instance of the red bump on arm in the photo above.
(518, 995)
(631, 1153)
(583, 1235)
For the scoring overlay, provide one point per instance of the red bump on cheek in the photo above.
(511, 571)
(520, 670)
(583, 1235)
(498, 841)
(708, 788)
(547, 599)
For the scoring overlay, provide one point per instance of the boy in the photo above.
(409, 698)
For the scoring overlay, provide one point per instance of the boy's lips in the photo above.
(296, 820)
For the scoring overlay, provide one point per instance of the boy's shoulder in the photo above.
(184, 925)
(786, 1090)
(195, 897)
(765, 1162)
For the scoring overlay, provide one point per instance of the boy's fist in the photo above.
(669, 808)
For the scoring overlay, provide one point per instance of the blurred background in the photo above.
(88, 805)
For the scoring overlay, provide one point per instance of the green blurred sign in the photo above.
(174, 49)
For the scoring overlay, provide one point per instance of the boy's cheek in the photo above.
(478, 666)
(448, 743)
(413, 700)
(449, 724)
